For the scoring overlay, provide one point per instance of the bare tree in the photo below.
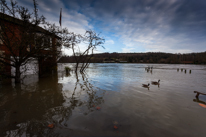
(72, 40)
(92, 40)
(23, 40)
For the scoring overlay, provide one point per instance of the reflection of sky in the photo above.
(166, 107)
(117, 76)
(128, 79)
(165, 111)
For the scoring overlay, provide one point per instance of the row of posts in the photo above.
(185, 70)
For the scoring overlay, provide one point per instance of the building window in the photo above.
(28, 48)
(2, 54)
(50, 41)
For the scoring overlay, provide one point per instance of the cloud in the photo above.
(127, 50)
(163, 25)
(72, 19)
(109, 42)
(140, 25)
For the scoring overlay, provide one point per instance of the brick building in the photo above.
(36, 43)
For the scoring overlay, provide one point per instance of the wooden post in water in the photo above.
(185, 70)
(190, 71)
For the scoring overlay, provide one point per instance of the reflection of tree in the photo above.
(26, 104)
(94, 99)
(62, 114)
(199, 101)
(25, 113)
(31, 128)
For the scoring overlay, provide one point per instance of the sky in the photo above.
(128, 26)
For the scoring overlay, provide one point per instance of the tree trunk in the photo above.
(18, 75)
(76, 67)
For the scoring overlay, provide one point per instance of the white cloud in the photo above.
(146, 27)
(74, 21)
(109, 42)
(127, 50)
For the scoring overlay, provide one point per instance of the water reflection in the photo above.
(94, 97)
(27, 110)
(71, 103)
(199, 101)
(23, 107)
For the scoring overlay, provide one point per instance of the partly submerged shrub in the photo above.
(67, 69)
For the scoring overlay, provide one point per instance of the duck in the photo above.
(155, 82)
(145, 85)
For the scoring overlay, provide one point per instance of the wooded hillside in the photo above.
(149, 57)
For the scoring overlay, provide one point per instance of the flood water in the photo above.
(108, 100)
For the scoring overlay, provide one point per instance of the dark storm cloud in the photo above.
(181, 15)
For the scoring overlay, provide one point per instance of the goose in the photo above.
(145, 85)
(156, 83)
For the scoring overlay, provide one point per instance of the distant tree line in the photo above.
(149, 57)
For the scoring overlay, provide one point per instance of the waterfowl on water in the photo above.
(145, 85)
(155, 82)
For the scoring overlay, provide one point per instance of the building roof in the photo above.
(17, 21)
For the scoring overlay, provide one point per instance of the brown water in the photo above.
(70, 103)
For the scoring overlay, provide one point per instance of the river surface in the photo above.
(108, 100)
